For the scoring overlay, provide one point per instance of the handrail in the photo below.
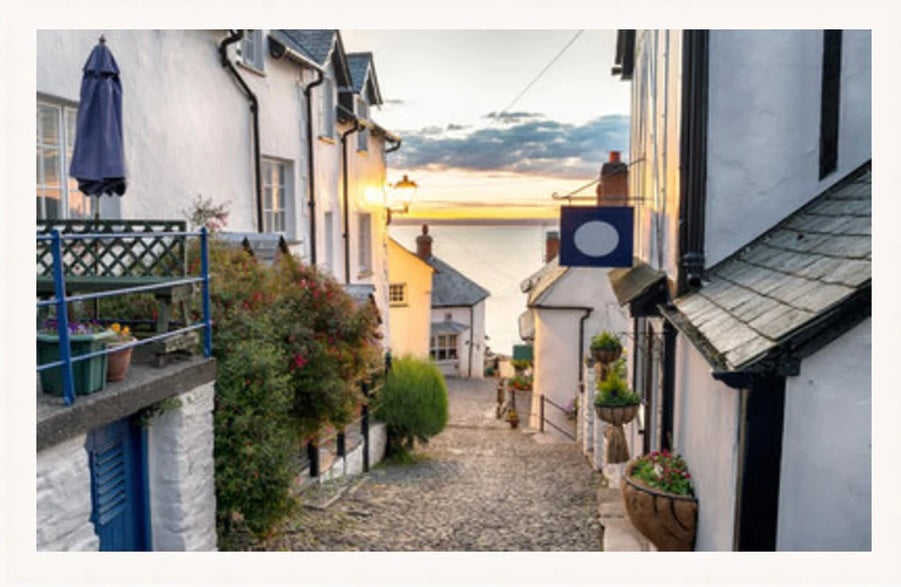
(544, 420)
(61, 299)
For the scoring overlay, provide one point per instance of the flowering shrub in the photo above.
(665, 471)
(572, 407)
(521, 383)
(51, 326)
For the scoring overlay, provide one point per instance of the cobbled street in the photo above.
(478, 486)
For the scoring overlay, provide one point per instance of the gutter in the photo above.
(356, 126)
(582, 346)
(311, 177)
(234, 37)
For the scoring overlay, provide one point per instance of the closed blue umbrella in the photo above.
(98, 158)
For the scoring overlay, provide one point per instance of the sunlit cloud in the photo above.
(532, 145)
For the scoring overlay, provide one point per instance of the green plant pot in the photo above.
(88, 376)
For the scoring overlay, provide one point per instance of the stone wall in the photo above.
(64, 498)
(181, 474)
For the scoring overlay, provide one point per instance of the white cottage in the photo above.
(750, 298)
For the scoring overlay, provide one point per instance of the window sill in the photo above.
(327, 140)
(363, 274)
(398, 304)
(250, 68)
(363, 152)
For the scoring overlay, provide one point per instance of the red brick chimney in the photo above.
(424, 243)
(551, 245)
(613, 188)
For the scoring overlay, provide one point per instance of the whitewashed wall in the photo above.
(825, 480)
(764, 128)
(706, 422)
(181, 474)
(64, 498)
(460, 367)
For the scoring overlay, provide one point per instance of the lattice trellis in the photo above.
(153, 255)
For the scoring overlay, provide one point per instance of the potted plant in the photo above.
(521, 383)
(606, 347)
(119, 361)
(520, 365)
(513, 418)
(615, 403)
(572, 408)
(659, 499)
(88, 375)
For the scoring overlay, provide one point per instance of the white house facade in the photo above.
(749, 300)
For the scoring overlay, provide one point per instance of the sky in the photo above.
(478, 139)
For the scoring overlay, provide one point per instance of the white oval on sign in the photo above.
(596, 238)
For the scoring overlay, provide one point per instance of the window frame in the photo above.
(284, 169)
(364, 243)
(328, 226)
(327, 120)
(252, 50)
(443, 347)
(397, 300)
(65, 119)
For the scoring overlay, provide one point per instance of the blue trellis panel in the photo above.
(119, 503)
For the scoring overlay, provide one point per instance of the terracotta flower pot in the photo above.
(118, 364)
(606, 356)
(616, 415)
(668, 520)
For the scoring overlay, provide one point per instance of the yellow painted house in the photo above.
(409, 301)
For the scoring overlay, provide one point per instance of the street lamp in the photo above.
(401, 196)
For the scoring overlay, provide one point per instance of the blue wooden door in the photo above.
(118, 486)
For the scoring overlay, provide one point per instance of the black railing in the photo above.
(544, 420)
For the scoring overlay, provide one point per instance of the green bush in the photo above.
(605, 341)
(412, 403)
(613, 389)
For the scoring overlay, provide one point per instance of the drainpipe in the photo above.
(312, 178)
(472, 328)
(234, 37)
(346, 235)
(582, 346)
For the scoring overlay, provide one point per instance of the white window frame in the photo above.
(364, 238)
(443, 347)
(397, 294)
(277, 196)
(65, 118)
(327, 108)
(363, 133)
(252, 49)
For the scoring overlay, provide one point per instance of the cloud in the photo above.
(534, 146)
(512, 117)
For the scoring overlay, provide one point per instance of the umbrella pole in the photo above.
(96, 247)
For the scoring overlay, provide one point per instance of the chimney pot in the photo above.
(613, 187)
(424, 243)
(614, 156)
(551, 245)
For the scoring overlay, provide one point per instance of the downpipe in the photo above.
(307, 92)
(346, 235)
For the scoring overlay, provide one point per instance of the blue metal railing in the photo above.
(60, 300)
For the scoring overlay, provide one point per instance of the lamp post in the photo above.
(401, 196)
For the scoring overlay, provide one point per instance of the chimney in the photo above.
(613, 188)
(551, 245)
(424, 243)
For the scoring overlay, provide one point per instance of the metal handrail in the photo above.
(544, 420)
(60, 300)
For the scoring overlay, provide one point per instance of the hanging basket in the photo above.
(668, 520)
(617, 415)
(606, 356)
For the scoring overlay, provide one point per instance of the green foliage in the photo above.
(413, 403)
(521, 383)
(613, 389)
(665, 471)
(255, 445)
(605, 341)
(521, 364)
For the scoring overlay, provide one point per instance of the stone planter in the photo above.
(617, 415)
(88, 375)
(513, 420)
(606, 356)
(668, 520)
(118, 363)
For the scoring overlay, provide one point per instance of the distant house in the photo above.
(410, 301)
(749, 302)
(566, 307)
(457, 332)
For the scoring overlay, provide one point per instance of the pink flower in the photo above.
(299, 362)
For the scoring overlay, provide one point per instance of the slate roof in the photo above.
(448, 327)
(358, 63)
(265, 246)
(786, 280)
(315, 44)
(452, 288)
(539, 284)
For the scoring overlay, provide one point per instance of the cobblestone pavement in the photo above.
(477, 486)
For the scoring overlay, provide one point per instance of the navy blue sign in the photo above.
(595, 236)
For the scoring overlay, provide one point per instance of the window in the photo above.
(329, 240)
(327, 109)
(364, 226)
(443, 347)
(397, 294)
(252, 49)
(57, 193)
(363, 134)
(275, 196)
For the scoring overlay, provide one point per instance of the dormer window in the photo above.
(363, 134)
(252, 49)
